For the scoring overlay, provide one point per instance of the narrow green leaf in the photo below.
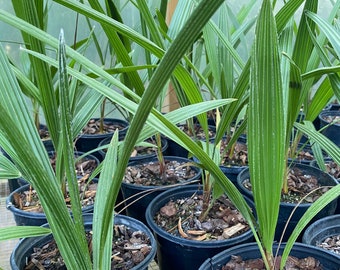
(266, 132)
(15, 232)
(108, 188)
(66, 155)
(7, 169)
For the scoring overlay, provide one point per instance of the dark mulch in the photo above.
(141, 150)
(331, 118)
(44, 134)
(84, 166)
(129, 249)
(181, 218)
(235, 156)
(29, 201)
(149, 174)
(300, 187)
(293, 263)
(93, 127)
(331, 243)
(333, 169)
(195, 131)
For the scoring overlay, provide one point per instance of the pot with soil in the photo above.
(143, 181)
(324, 233)
(134, 247)
(92, 134)
(234, 160)
(83, 167)
(140, 152)
(302, 180)
(26, 208)
(14, 183)
(333, 169)
(183, 241)
(248, 256)
(331, 119)
(196, 133)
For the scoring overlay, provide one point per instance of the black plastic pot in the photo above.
(232, 172)
(88, 142)
(251, 251)
(174, 252)
(328, 160)
(321, 229)
(287, 208)
(174, 149)
(25, 247)
(334, 107)
(15, 183)
(25, 218)
(164, 143)
(139, 197)
(22, 182)
(332, 131)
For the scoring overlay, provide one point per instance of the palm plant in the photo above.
(265, 171)
(72, 243)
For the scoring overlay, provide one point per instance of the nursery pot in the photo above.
(332, 131)
(164, 143)
(15, 183)
(286, 209)
(174, 252)
(175, 149)
(232, 170)
(334, 174)
(317, 232)
(88, 142)
(25, 246)
(251, 251)
(26, 218)
(21, 182)
(138, 197)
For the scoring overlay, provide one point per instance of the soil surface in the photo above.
(196, 132)
(181, 218)
(29, 201)
(93, 127)
(129, 249)
(235, 156)
(331, 243)
(44, 134)
(149, 174)
(84, 166)
(300, 187)
(293, 263)
(145, 150)
(333, 169)
(332, 118)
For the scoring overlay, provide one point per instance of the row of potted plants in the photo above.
(267, 105)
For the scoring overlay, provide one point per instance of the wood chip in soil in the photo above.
(300, 187)
(29, 200)
(181, 218)
(129, 249)
(149, 174)
(235, 156)
(293, 263)
(93, 127)
(331, 243)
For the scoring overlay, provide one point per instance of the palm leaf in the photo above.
(266, 132)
